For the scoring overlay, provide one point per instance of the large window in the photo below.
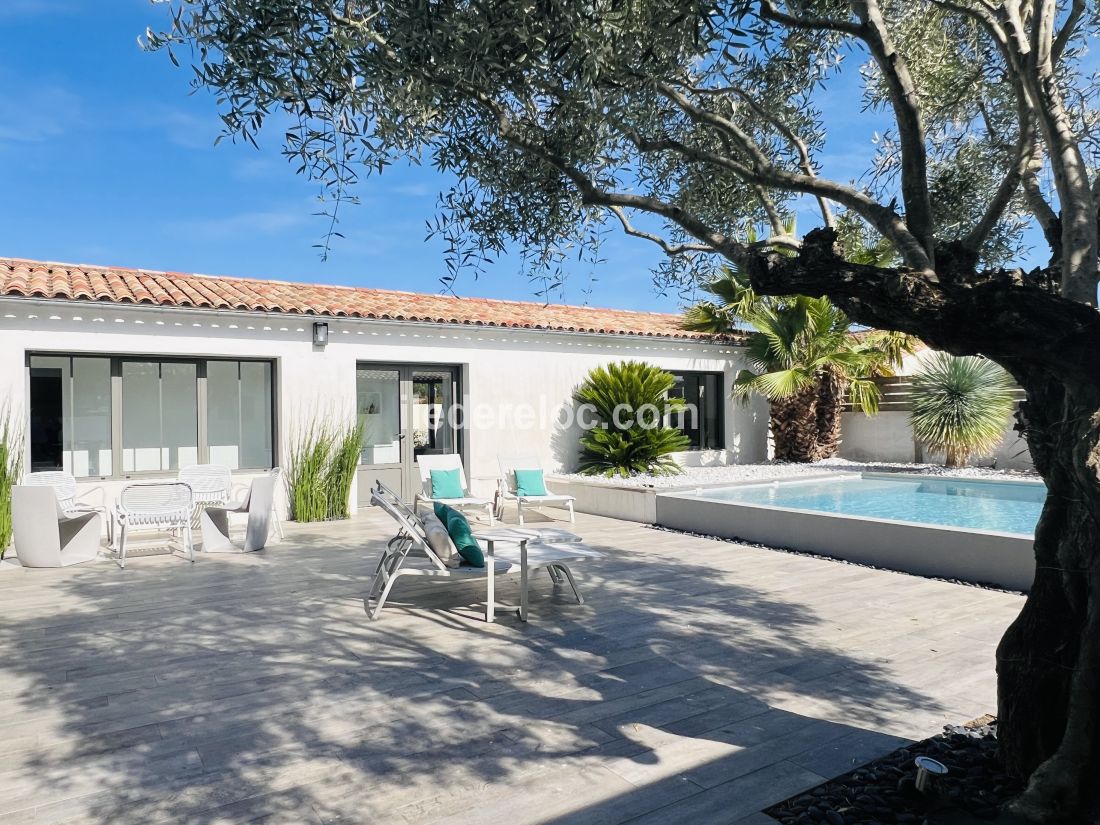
(238, 413)
(70, 426)
(160, 415)
(702, 422)
(100, 416)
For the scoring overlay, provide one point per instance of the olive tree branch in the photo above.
(669, 249)
(799, 145)
(906, 106)
(764, 173)
(1077, 11)
(768, 11)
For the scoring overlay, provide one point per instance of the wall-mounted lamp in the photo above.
(320, 334)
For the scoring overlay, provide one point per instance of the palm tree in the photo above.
(961, 406)
(805, 358)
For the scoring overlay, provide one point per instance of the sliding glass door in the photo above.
(406, 411)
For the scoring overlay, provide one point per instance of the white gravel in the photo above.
(734, 473)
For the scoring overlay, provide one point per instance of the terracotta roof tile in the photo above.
(36, 279)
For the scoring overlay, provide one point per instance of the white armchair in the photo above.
(64, 487)
(45, 536)
(259, 505)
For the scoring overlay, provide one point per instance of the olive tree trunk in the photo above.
(1048, 663)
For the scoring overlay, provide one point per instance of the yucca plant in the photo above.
(805, 360)
(11, 470)
(636, 440)
(961, 406)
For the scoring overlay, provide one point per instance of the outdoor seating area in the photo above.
(699, 680)
(171, 509)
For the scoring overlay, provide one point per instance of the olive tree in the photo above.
(692, 124)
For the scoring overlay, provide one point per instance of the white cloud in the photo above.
(185, 129)
(413, 190)
(34, 113)
(35, 8)
(238, 225)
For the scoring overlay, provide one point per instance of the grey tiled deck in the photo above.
(701, 682)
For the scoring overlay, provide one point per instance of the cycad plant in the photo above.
(961, 406)
(805, 359)
(11, 470)
(323, 459)
(630, 405)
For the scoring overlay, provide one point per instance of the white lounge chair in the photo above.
(508, 467)
(409, 554)
(159, 505)
(258, 505)
(64, 487)
(45, 535)
(449, 461)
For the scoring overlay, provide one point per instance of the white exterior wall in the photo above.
(500, 368)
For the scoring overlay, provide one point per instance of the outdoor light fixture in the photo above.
(320, 334)
(928, 772)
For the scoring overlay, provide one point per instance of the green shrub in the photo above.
(630, 445)
(961, 406)
(11, 470)
(322, 463)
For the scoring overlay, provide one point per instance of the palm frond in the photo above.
(865, 394)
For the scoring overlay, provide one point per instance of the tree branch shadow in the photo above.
(254, 688)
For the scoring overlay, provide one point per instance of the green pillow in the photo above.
(461, 534)
(530, 483)
(447, 484)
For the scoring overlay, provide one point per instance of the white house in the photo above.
(125, 374)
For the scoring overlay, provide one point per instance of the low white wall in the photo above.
(621, 502)
(925, 550)
(882, 437)
(888, 437)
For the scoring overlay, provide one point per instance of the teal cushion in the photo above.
(461, 534)
(530, 483)
(447, 484)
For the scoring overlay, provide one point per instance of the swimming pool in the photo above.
(974, 530)
(999, 506)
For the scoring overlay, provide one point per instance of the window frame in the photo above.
(720, 417)
(202, 432)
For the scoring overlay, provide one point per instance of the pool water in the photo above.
(1001, 506)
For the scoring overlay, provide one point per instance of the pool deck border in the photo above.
(978, 556)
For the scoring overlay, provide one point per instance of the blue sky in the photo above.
(106, 158)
